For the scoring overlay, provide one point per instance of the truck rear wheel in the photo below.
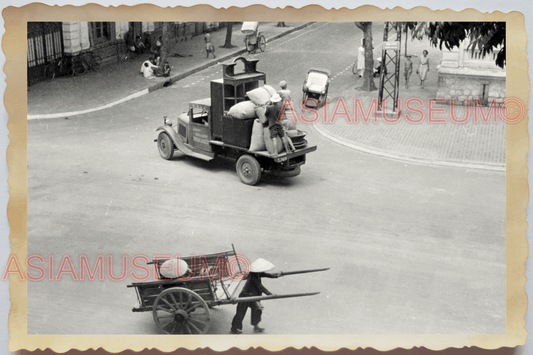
(248, 170)
(165, 146)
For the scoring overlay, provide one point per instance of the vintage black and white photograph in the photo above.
(267, 178)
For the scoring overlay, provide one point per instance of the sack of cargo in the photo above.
(270, 89)
(259, 96)
(242, 110)
(257, 143)
(249, 27)
(269, 142)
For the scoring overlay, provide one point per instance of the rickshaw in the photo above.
(315, 87)
(253, 39)
(180, 305)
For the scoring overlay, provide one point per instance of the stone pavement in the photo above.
(419, 134)
(474, 145)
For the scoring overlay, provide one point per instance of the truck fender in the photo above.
(171, 133)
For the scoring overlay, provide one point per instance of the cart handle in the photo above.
(270, 297)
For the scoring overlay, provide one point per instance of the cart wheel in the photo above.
(78, 67)
(50, 71)
(354, 68)
(248, 169)
(165, 146)
(262, 43)
(97, 63)
(179, 310)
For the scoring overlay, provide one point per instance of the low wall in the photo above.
(466, 84)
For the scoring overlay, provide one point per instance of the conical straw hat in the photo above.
(261, 265)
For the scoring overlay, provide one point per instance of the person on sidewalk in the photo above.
(147, 68)
(423, 68)
(209, 48)
(139, 45)
(361, 60)
(270, 116)
(408, 70)
(253, 287)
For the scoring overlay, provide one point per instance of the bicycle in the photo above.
(64, 66)
(91, 61)
(260, 43)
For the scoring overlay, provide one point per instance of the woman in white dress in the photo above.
(423, 67)
(361, 61)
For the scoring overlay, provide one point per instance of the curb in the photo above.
(407, 158)
(162, 84)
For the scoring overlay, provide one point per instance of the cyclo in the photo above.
(253, 39)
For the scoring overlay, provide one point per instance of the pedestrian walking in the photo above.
(209, 48)
(408, 70)
(253, 287)
(361, 60)
(423, 67)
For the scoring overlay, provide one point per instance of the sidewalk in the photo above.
(119, 82)
(471, 144)
(468, 145)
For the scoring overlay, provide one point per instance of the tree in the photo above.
(368, 84)
(165, 43)
(229, 31)
(281, 24)
(484, 36)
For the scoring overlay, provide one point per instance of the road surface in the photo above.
(413, 249)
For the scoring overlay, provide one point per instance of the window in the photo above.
(102, 32)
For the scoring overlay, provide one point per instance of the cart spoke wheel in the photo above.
(262, 43)
(188, 312)
(248, 169)
(165, 146)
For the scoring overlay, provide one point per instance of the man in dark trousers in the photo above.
(253, 287)
(270, 116)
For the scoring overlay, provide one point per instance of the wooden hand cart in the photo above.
(181, 305)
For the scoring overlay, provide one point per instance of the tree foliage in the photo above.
(485, 37)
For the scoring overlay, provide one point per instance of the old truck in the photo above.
(206, 131)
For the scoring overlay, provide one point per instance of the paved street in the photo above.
(413, 248)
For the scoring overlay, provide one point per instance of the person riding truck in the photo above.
(270, 116)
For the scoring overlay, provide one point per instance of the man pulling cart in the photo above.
(186, 288)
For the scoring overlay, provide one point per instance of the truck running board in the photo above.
(185, 149)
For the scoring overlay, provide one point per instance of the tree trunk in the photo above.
(165, 45)
(229, 31)
(368, 84)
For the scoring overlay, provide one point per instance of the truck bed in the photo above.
(264, 153)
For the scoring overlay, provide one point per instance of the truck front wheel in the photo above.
(248, 170)
(165, 146)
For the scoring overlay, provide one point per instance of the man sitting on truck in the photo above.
(270, 116)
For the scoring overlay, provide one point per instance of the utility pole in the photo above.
(389, 81)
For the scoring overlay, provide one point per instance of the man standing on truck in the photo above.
(270, 116)
(253, 287)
